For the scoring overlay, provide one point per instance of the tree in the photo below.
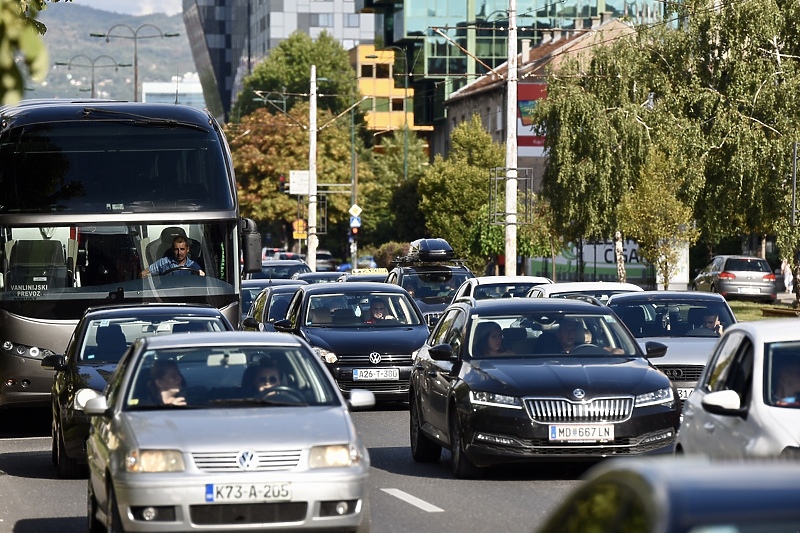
(20, 37)
(654, 216)
(287, 71)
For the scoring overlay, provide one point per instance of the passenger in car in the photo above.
(490, 340)
(787, 383)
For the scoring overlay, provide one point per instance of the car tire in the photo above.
(115, 525)
(423, 449)
(463, 468)
(67, 468)
(54, 443)
(95, 526)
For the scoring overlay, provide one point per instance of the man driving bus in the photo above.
(178, 264)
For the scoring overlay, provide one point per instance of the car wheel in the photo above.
(95, 526)
(67, 468)
(54, 443)
(115, 523)
(423, 450)
(463, 468)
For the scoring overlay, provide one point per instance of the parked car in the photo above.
(666, 495)
(97, 344)
(676, 319)
(334, 318)
(430, 275)
(279, 269)
(599, 290)
(211, 431)
(533, 401)
(738, 276)
(483, 287)
(252, 287)
(270, 305)
(747, 403)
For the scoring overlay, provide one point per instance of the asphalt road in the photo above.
(404, 496)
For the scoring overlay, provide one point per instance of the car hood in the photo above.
(683, 350)
(364, 340)
(267, 427)
(559, 377)
(94, 376)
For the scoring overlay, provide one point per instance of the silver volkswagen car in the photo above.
(225, 432)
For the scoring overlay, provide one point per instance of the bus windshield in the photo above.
(56, 272)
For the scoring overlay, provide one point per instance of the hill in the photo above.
(68, 41)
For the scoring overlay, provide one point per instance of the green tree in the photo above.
(654, 216)
(453, 190)
(20, 37)
(287, 70)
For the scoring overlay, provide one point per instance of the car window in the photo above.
(671, 318)
(258, 305)
(782, 374)
(439, 333)
(502, 290)
(720, 362)
(225, 376)
(349, 309)
(747, 265)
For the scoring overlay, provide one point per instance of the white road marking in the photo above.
(413, 500)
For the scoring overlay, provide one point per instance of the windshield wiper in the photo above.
(141, 120)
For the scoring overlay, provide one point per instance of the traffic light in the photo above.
(282, 183)
(353, 234)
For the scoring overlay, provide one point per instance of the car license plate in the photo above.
(749, 290)
(683, 394)
(581, 433)
(376, 374)
(255, 492)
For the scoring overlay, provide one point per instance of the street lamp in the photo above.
(135, 36)
(405, 106)
(266, 97)
(92, 64)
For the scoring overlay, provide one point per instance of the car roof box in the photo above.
(431, 250)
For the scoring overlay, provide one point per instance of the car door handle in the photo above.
(709, 426)
(432, 373)
(419, 366)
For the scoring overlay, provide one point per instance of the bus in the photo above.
(92, 193)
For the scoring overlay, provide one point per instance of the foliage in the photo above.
(286, 72)
(788, 241)
(390, 251)
(20, 36)
(533, 240)
(653, 216)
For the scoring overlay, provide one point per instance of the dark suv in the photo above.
(430, 275)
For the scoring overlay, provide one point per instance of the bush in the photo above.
(390, 251)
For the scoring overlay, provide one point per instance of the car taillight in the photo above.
(768, 277)
(727, 275)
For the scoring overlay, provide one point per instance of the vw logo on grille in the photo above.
(247, 460)
(374, 358)
(579, 393)
(673, 373)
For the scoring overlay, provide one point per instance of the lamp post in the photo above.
(405, 105)
(92, 64)
(266, 97)
(135, 36)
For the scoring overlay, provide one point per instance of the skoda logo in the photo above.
(674, 373)
(247, 460)
(579, 394)
(374, 358)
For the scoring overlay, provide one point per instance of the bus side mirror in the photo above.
(251, 246)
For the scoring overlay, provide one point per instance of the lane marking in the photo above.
(413, 500)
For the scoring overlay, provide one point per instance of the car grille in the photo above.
(386, 359)
(268, 461)
(555, 410)
(682, 373)
(247, 513)
(374, 386)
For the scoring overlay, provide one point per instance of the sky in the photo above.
(135, 7)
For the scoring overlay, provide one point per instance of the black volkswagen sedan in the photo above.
(520, 379)
(367, 333)
(100, 339)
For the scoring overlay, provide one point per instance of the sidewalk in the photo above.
(786, 298)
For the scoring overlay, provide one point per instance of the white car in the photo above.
(484, 287)
(747, 402)
(599, 290)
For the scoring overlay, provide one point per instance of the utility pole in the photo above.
(511, 144)
(311, 256)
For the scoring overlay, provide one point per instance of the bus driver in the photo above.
(179, 263)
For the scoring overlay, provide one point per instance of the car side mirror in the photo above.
(284, 325)
(55, 361)
(723, 403)
(441, 352)
(97, 406)
(250, 322)
(655, 349)
(361, 399)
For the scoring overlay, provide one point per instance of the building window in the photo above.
(351, 20)
(397, 104)
(322, 20)
(367, 71)
(383, 71)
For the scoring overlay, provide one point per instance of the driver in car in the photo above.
(178, 264)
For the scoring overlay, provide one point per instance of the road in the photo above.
(405, 496)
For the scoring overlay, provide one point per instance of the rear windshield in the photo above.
(747, 265)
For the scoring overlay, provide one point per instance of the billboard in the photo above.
(528, 143)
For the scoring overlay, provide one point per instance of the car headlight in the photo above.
(334, 456)
(326, 355)
(148, 461)
(495, 400)
(654, 398)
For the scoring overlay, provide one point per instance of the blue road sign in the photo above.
(355, 222)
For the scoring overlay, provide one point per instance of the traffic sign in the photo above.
(355, 222)
(355, 210)
(298, 182)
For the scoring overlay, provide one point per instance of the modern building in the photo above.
(450, 43)
(185, 90)
(229, 37)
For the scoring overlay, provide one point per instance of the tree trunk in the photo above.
(622, 275)
(552, 260)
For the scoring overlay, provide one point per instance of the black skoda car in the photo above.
(522, 379)
(366, 332)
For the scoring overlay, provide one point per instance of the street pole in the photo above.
(353, 183)
(405, 116)
(311, 256)
(511, 144)
(92, 65)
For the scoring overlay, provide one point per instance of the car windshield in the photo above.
(602, 295)
(228, 376)
(546, 334)
(673, 318)
(280, 271)
(503, 290)
(782, 374)
(747, 265)
(106, 340)
(361, 309)
(434, 287)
